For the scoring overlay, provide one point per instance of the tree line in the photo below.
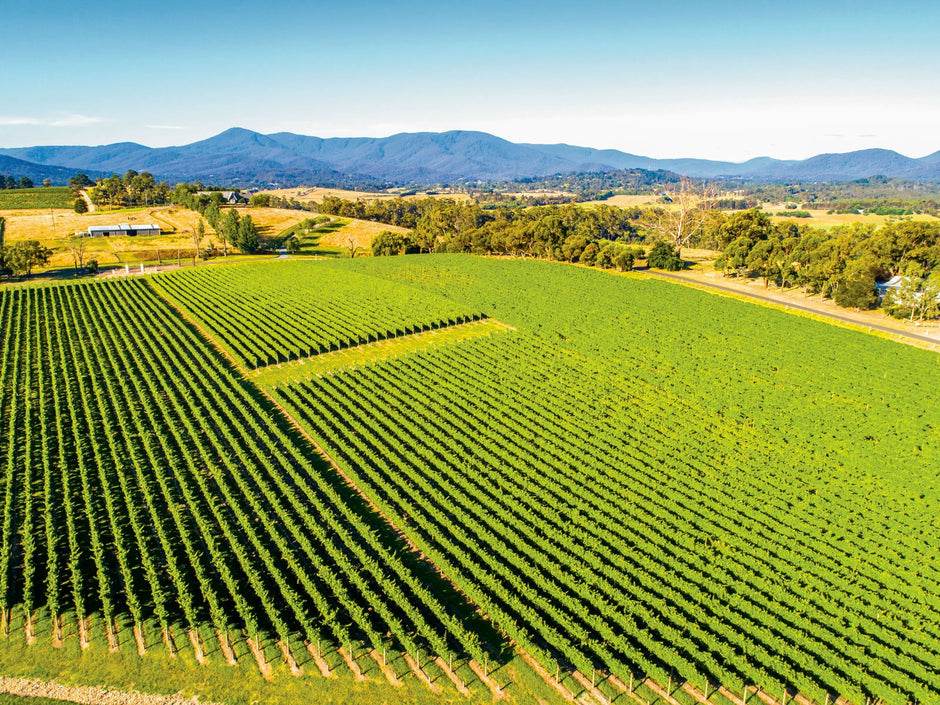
(233, 229)
(8, 182)
(447, 225)
(845, 263)
(132, 189)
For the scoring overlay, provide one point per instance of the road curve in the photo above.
(799, 307)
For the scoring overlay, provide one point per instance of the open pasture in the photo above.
(54, 228)
(315, 194)
(821, 218)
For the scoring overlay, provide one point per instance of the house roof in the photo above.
(122, 226)
(893, 283)
(225, 194)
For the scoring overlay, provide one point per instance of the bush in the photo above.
(91, 266)
(856, 286)
(664, 256)
(388, 243)
(588, 255)
(80, 205)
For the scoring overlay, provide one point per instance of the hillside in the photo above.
(240, 156)
(38, 172)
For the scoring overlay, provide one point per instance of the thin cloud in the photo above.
(67, 121)
(166, 127)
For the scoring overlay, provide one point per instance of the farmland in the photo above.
(128, 497)
(630, 483)
(434, 436)
(55, 227)
(315, 194)
(30, 198)
(275, 313)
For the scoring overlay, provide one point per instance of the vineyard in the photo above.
(648, 492)
(148, 489)
(520, 491)
(283, 311)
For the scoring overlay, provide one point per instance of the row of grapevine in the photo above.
(606, 523)
(281, 311)
(144, 479)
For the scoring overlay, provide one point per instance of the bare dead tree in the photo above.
(685, 213)
(76, 246)
(197, 233)
(353, 247)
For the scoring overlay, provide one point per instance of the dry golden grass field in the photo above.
(55, 228)
(361, 232)
(627, 201)
(316, 194)
(821, 219)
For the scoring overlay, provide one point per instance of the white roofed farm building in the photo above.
(122, 229)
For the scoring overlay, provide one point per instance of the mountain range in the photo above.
(10, 166)
(243, 157)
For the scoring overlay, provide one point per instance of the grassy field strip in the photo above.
(798, 309)
(87, 695)
(350, 358)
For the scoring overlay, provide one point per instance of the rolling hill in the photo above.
(58, 175)
(240, 156)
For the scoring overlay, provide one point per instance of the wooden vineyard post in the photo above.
(706, 689)
(669, 687)
(631, 682)
(744, 696)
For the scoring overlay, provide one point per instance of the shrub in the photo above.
(664, 256)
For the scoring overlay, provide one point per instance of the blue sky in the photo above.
(724, 80)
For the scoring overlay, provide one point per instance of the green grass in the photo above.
(7, 699)
(52, 197)
(216, 681)
(309, 234)
(370, 353)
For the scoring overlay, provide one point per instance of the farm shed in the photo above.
(123, 229)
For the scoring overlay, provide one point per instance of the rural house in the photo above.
(230, 197)
(122, 229)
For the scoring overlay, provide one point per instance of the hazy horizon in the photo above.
(600, 147)
(727, 81)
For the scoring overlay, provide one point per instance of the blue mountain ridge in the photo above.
(241, 156)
